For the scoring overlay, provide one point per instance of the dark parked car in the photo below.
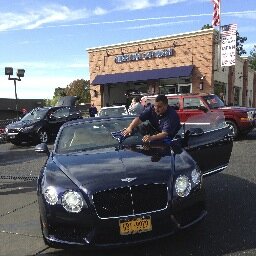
(98, 188)
(40, 124)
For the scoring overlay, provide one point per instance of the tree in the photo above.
(207, 26)
(252, 58)
(58, 93)
(239, 44)
(79, 88)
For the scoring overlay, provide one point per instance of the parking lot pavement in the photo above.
(227, 229)
(19, 224)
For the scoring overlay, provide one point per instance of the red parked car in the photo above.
(240, 119)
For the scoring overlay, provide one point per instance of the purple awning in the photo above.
(175, 72)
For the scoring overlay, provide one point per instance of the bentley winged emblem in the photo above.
(129, 179)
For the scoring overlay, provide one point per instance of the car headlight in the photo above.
(196, 176)
(6, 130)
(72, 201)
(51, 195)
(182, 186)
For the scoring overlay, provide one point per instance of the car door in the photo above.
(210, 146)
(192, 106)
(74, 114)
(57, 119)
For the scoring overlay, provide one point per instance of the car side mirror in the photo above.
(52, 118)
(203, 108)
(42, 148)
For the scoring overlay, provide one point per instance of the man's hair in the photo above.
(136, 99)
(162, 98)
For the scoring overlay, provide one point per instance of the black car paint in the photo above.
(91, 172)
(16, 133)
(122, 166)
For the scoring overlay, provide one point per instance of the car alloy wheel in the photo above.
(233, 128)
(43, 136)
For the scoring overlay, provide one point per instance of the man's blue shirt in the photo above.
(169, 122)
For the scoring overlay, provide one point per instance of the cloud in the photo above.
(78, 65)
(135, 4)
(160, 24)
(55, 15)
(100, 11)
(167, 2)
(46, 65)
(249, 47)
(39, 87)
(144, 4)
(51, 14)
(243, 14)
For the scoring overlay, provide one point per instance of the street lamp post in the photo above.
(20, 73)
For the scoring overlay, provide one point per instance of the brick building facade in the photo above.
(172, 64)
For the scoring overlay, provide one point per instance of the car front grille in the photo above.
(130, 200)
(13, 130)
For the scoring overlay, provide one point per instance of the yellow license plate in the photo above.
(135, 225)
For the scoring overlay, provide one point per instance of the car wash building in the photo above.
(182, 63)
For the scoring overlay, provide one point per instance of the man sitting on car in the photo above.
(162, 117)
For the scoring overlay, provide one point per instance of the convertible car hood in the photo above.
(100, 168)
(21, 124)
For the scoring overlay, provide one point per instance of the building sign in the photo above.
(228, 45)
(144, 55)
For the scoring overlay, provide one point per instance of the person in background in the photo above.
(23, 112)
(92, 110)
(162, 117)
(136, 107)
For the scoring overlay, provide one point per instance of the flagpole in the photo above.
(219, 20)
(219, 38)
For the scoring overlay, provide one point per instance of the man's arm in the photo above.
(135, 122)
(159, 136)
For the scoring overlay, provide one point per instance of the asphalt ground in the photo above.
(229, 227)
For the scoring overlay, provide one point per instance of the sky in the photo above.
(49, 39)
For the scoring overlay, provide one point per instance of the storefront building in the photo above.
(183, 63)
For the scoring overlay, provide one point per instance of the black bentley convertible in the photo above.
(98, 188)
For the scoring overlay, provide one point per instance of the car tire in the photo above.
(233, 128)
(43, 136)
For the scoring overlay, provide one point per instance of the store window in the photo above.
(236, 96)
(168, 89)
(184, 88)
(177, 88)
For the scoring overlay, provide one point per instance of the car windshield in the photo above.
(105, 133)
(35, 114)
(119, 111)
(204, 122)
(89, 135)
(213, 101)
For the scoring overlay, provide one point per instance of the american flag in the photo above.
(216, 13)
(228, 30)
